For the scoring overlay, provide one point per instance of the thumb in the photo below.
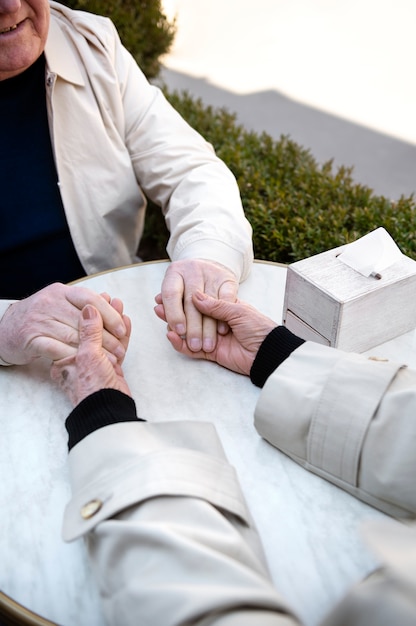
(213, 307)
(90, 326)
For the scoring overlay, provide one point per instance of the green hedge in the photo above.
(296, 207)
(142, 25)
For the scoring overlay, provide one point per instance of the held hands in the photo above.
(237, 349)
(90, 369)
(46, 325)
(177, 306)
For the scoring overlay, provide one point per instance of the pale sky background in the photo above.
(351, 58)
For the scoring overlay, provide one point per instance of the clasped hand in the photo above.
(90, 369)
(237, 348)
(177, 308)
(46, 325)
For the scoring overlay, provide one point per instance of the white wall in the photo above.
(352, 58)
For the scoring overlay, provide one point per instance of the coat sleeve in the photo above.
(169, 536)
(180, 172)
(347, 418)
(129, 142)
(387, 596)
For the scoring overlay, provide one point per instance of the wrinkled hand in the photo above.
(175, 303)
(238, 348)
(46, 324)
(89, 369)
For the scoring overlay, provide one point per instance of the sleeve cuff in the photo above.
(102, 408)
(240, 263)
(277, 346)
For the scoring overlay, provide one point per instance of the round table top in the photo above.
(309, 528)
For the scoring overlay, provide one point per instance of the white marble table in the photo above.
(310, 529)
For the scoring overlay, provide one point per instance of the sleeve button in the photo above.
(91, 508)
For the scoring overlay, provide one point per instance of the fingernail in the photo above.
(120, 331)
(112, 358)
(195, 344)
(88, 312)
(120, 353)
(199, 295)
(208, 345)
(180, 329)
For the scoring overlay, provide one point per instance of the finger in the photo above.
(112, 357)
(92, 338)
(125, 341)
(228, 292)
(218, 309)
(117, 305)
(159, 309)
(112, 320)
(172, 298)
(54, 349)
(212, 327)
(194, 323)
(115, 346)
(180, 345)
(90, 329)
(209, 333)
(222, 328)
(127, 323)
(201, 331)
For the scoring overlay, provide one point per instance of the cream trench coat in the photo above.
(170, 538)
(114, 136)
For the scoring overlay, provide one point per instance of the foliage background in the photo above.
(142, 25)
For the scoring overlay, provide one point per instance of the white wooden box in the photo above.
(328, 302)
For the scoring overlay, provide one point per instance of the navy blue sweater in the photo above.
(35, 243)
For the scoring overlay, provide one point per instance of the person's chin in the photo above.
(19, 49)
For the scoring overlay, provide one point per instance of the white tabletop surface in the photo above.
(310, 529)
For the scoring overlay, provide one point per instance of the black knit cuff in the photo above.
(102, 408)
(277, 346)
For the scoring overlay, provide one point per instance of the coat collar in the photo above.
(60, 57)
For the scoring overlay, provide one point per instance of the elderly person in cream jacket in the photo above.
(85, 139)
(168, 531)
